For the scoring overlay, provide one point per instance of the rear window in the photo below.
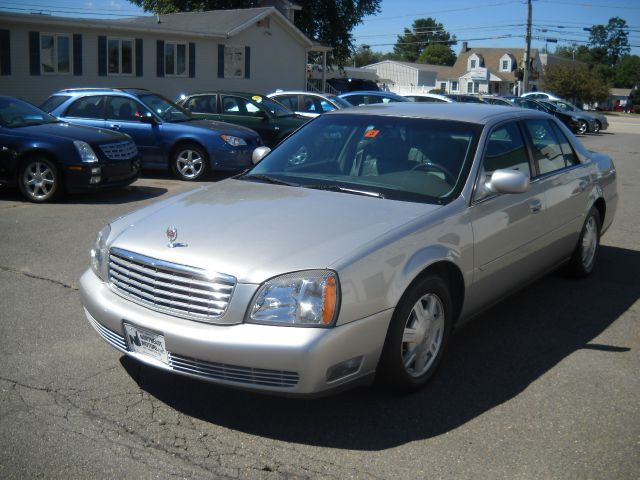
(53, 102)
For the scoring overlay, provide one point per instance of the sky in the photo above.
(484, 23)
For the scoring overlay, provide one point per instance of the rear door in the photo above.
(87, 110)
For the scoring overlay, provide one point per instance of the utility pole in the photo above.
(527, 53)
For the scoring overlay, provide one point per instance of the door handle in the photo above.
(114, 126)
(535, 206)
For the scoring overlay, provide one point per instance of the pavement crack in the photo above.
(38, 277)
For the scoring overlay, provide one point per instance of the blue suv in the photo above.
(166, 135)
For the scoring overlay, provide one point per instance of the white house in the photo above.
(489, 71)
(406, 77)
(255, 50)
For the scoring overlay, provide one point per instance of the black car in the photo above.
(569, 120)
(46, 157)
(464, 98)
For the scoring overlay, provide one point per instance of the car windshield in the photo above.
(397, 158)
(165, 109)
(340, 101)
(15, 113)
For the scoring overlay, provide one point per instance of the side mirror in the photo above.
(508, 181)
(259, 153)
(150, 119)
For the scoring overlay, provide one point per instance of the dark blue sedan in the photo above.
(166, 134)
(46, 157)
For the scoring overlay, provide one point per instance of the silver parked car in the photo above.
(350, 251)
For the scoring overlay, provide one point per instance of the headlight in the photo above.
(233, 141)
(308, 298)
(100, 254)
(85, 151)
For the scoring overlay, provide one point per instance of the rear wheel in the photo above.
(584, 256)
(417, 336)
(189, 162)
(582, 127)
(39, 180)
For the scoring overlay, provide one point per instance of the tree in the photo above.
(327, 21)
(364, 56)
(423, 32)
(627, 73)
(612, 40)
(438, 54)
(575, 81)
(574, 52)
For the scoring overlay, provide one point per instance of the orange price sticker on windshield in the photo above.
(371, 134)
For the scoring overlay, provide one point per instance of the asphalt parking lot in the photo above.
(544, 385)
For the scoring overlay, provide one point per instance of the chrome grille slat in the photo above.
(120, 150)
(151, 272)
(110, 337)
(233, 373)
(175, 289)
(171, 286)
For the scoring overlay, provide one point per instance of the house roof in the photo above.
(491, 57)
(213, 23)
(423, 67)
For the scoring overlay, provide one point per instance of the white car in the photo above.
(540, 96)
(309, 104)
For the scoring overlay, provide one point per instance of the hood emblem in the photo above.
(172, 235)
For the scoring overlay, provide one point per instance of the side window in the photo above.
(506, 149)
(356, 100)
(202, 104)
(326, 106)
(87, 107)
(289, 101)
(125, 109)
(239, 106)
(547, 153)
(570, 157)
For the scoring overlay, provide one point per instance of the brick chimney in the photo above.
(465, 47)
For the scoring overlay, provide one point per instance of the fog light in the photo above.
(343, 369)
(96, 171)
(94, 180)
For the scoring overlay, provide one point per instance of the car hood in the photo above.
(221, 127)
(73, 132)
(254, 231)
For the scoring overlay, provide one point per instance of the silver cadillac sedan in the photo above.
(350, 252)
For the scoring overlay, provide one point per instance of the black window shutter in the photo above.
(247, 62)
(192, 60)
(34, 53)
(5, 52)
(77, 54)
(102, 56)
(139, 62)
(160, 58)
(220, 61)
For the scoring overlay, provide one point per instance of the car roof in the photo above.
(467, 112)
(101, 90)
(300, 92)
(369, 92)
(226, 92)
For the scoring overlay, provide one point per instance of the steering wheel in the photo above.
(436, 167)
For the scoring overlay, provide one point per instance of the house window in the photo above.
(469, 87)
(443, 86)
(233, 62)
(505, 65)
(120, 56)
(55, 53)
(454, 86)
(473, 63)
(476, 87)
(175, 59)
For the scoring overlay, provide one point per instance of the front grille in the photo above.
(171, 288)
(109, 336)
(232, 373)
(120, 150)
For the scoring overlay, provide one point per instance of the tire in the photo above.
(584, 256)
(597, 127)
(583, 127)
(39, 180)
(417, 336)
(189, 162)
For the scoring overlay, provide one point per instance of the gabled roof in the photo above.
(214, 23)
(491, 58)
(423, 67)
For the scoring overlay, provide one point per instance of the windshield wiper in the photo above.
(337, 188)
(266, 179)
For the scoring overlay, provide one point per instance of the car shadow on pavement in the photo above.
(489, 361)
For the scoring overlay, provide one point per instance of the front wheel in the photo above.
(417, 336)
(584, 256)
(189, 162)
(598, 127)
(39, 180)
(582, 127)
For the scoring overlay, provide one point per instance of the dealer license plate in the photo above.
(146, 342)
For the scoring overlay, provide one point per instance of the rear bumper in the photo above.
(277, 359)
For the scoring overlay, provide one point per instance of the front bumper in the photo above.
(112, 175)
(276, 359)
